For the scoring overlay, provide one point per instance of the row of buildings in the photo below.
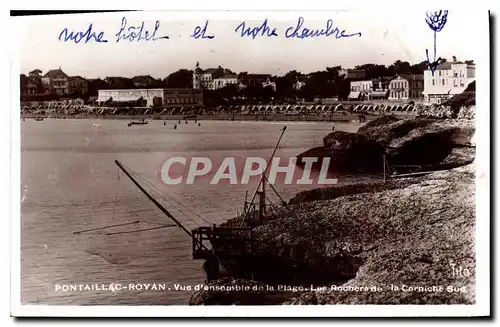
(162, 97)
(218, 78)
(399, 88)
(56, 81)
(449, 79)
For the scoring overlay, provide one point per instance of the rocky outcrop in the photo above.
(384, 120)
(430, 143)
(349, 152)
(386, 242)
(333, 192)
(419, 233)
(465, 99)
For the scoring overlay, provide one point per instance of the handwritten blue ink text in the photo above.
(300, 32)
(77, 37)
(137, 33)
(262, 30)
(200, 32)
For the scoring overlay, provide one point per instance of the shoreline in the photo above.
(339, 118)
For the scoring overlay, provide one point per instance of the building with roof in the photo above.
(213, 78)
(449, 79)
(270, 84)
(246, 80)
(144, 81)
(360, 90)
(78, 84)
(380, 88)
(399, 89)
(223, 81)
(352, 73)
(416, 86)
(151, 97)
(56, 81)
(405, 87)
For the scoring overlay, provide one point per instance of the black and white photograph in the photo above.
(198, 163)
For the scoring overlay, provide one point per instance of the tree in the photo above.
(95, 85)
(374, 70)
(400, 67)
(419, 68)
(181, 79)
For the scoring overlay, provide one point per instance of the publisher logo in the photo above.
(232, 170)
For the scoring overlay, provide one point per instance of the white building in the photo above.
(213, 78)
(269, 83)
(399, 89)
(298, 85)
(360, 89)
(147, 97)
(152, 97)
(202, 79)
(219, 83)
(449, 79)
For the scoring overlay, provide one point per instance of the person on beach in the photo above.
(175, 126)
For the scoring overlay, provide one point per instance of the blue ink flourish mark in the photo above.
(296, 32)
(199, 32)
(263, 30)
(436, 21)
(137, 33)
(86, 36)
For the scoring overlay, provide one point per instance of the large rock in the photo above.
(426, 142)
(349, 152)
(384, 120)
(430, 143)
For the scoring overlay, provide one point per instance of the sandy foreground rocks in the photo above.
(400, 246)
(405, 241)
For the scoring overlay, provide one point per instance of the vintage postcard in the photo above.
(283, 163)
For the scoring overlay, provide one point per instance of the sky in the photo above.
(386, 36)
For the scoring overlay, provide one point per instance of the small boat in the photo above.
(142, 122)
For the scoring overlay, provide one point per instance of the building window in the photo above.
(455, 82)
(461, 83)
(439, 73)
(442, 82)
(433, 83)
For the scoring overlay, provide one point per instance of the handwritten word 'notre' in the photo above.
(263, 30)
(300, 32)
(138, 33)
(77, 37)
